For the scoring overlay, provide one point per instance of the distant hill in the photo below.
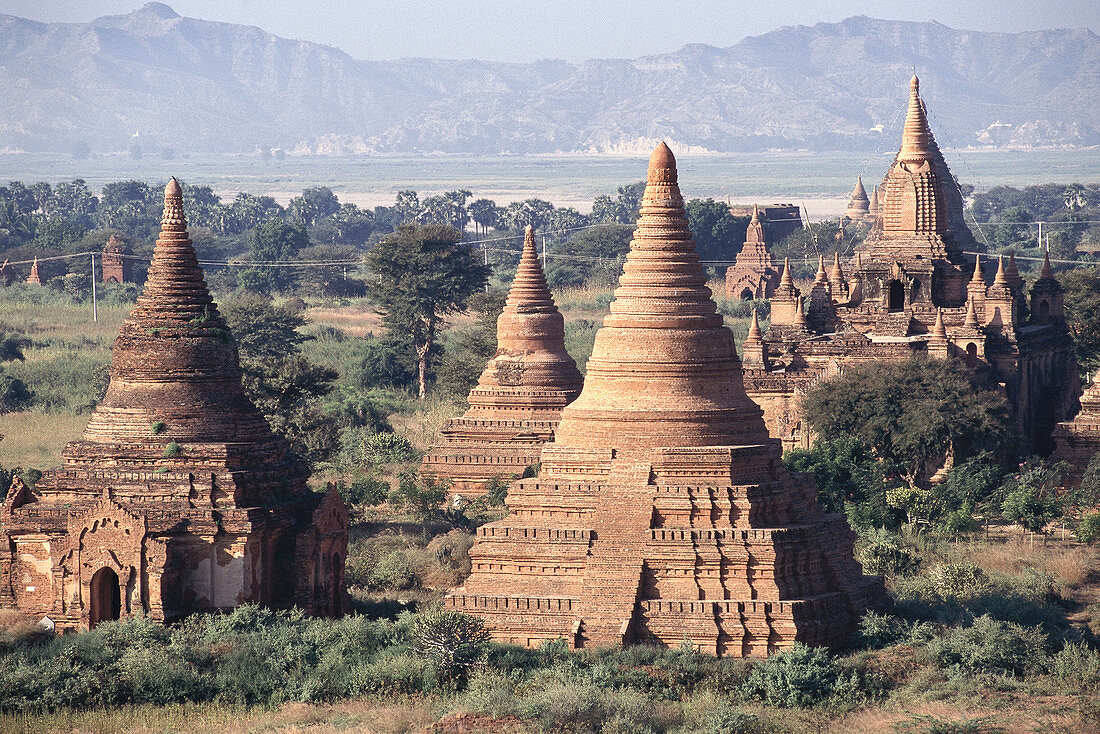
(195, 86)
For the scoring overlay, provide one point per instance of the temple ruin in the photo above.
(520, 395)
(859, 206)
(116, 264)
(754, 275)
(662, 510)
(34, 278)
(912, 288)
(1078, 441)
(178, 498)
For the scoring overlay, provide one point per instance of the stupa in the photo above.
(520, 395)
(662, 510)
(912, 288)
(116, 264)
(178, 498)
(754, 274)
(34, 278)
(859, 206)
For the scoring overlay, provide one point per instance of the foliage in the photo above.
(928, 724)
(913, 414)
(425, 274)
(423, 493)
(1031, 497)
(273, 241)
(1088, 529)
(798, 677)
(883, 552)
(387, 448)
(592, 255)
(717, 233)
(469, 349)
(1082, 307)
(850, 479)
(992, 646)
(453, 641)
(368, 490)
(496, 490)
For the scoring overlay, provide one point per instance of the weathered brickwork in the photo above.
(662, 509)
(519, 397)
(859, 206)
(754, 275)
(913, 290)
(116, 265)
(1077, 441)
(178, 498)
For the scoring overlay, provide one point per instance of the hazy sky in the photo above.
(522, 30)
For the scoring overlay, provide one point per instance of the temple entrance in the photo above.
(106, 599)
(971, 354)
(897, 296)
(746, 295)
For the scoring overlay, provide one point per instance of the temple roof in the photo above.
(916, 136)
(664, 370)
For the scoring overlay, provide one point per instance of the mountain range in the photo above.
(164, 81)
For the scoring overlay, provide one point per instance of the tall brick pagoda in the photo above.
(519, 397)
(178, 498)
(662, 510)
(754, 274)
(911, 289)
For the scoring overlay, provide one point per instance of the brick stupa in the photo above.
(754, 274)
(859, 206)
(520, 395)
(178, 498)
(663, 510)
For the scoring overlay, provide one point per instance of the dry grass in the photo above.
(422, 426)
(375, 716)
(35, 439)
(1069, 563)
(66, 321)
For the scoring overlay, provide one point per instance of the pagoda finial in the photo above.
(755, 212)
(662, 165)
(34, 278)
(977, 276)
(820, 276)
(938, 329)
(1046, 272)
(1001, 278)
(754, 335)
(837, 273)
(529, 288)
(971, 314)
(916, 137)
(799, 312)
(786, 280)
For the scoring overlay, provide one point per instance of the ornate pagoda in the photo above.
(662, 510)
(754, 275)
(178, 498)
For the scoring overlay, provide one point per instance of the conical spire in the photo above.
(786, 281)
(34, 278)
(858, 192)
(836, 273)
(916, 136)
(755, 231)
(1001, 278)
(754, 336)
(820, 276)
(873, 205)
(938, 329)
(971, 315)
(664, 370)
(1046, 272)
(977, 275)
(174, 360)
(800, 312)
(529, 289)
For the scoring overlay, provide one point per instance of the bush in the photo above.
(14, 395)
(724, 719)
(396, 571)
(1077, 664)
(496, 490)
(1088, 529)
(883, 552)
(387, 448)
(369, 490)
(992, 646)
(958, 580)
(798, 677)
(453, 641)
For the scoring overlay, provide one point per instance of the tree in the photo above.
(485, 214)
(274, 241)
(717, 233)
(918, 414)
(1082, 305)
(314, 203)
(14, 395)
(1031, 497)
(597, 254)
(850, 479)
(425, 273)
(469, 349)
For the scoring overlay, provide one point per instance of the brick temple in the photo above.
(662, 510)
(520, 395)
(754, 275)
(178, 498)
(116, 263)
(911, 288)
(1077, 441)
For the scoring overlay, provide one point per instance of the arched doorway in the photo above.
(971, 354)
(106, 599)
(746, 295)
(897, 296)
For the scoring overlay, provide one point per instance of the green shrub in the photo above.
(1088, 529)
(452, 640)
(881, 630)
(798, 677)
(991, 646)
(172, 449)
(451, 554)
(157, 427)
(1077, 664)
(725, 719)
(958, 580)
(370, 490)
(496, 490)
(883, 552)
(387, 448)
(395, 571)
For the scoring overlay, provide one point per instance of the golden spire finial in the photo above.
(915, 137)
